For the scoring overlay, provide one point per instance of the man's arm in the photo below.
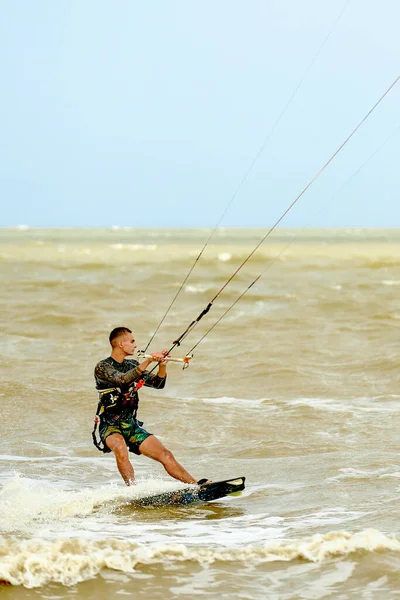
(106, 372)
(158, 381)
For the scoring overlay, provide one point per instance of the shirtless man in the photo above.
(119, 428)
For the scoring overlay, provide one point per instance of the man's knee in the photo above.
(117, 445)
(166, 456)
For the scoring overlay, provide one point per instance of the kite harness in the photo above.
(113, 399)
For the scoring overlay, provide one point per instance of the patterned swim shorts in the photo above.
(132, 432)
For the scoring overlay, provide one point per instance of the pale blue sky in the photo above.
(149, 113)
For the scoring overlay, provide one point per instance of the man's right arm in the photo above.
(106, 372)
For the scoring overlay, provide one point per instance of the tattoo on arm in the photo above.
(106, 372)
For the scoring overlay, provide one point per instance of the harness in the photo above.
(113, 398)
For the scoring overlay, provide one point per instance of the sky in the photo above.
(151, 113)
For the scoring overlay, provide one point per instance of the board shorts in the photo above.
(131, 430)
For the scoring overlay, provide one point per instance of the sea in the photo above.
(296, 387)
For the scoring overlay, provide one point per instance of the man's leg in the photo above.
(153, 448)
(117, 444)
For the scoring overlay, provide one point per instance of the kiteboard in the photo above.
(194, 494)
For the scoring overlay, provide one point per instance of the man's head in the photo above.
(122, 340)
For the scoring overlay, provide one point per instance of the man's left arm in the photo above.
(157, 380)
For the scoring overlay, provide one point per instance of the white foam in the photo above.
(34, 563)
(347, 473)
(333, 517)
(60, 457)
(133, 246)
(391, 282)
(224, 256)
(196, 289)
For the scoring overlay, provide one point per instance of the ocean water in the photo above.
(297, 388)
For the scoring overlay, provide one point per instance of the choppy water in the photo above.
(297, 389)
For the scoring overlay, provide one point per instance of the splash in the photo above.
(26, 502)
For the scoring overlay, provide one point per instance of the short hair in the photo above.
(118, 332)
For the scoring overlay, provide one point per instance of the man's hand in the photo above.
(160, 357)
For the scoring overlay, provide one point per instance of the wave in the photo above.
(34, 563)
(237, 402)
(381, 404)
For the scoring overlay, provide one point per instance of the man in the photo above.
(118, 381)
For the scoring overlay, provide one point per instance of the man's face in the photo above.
(128, 344)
